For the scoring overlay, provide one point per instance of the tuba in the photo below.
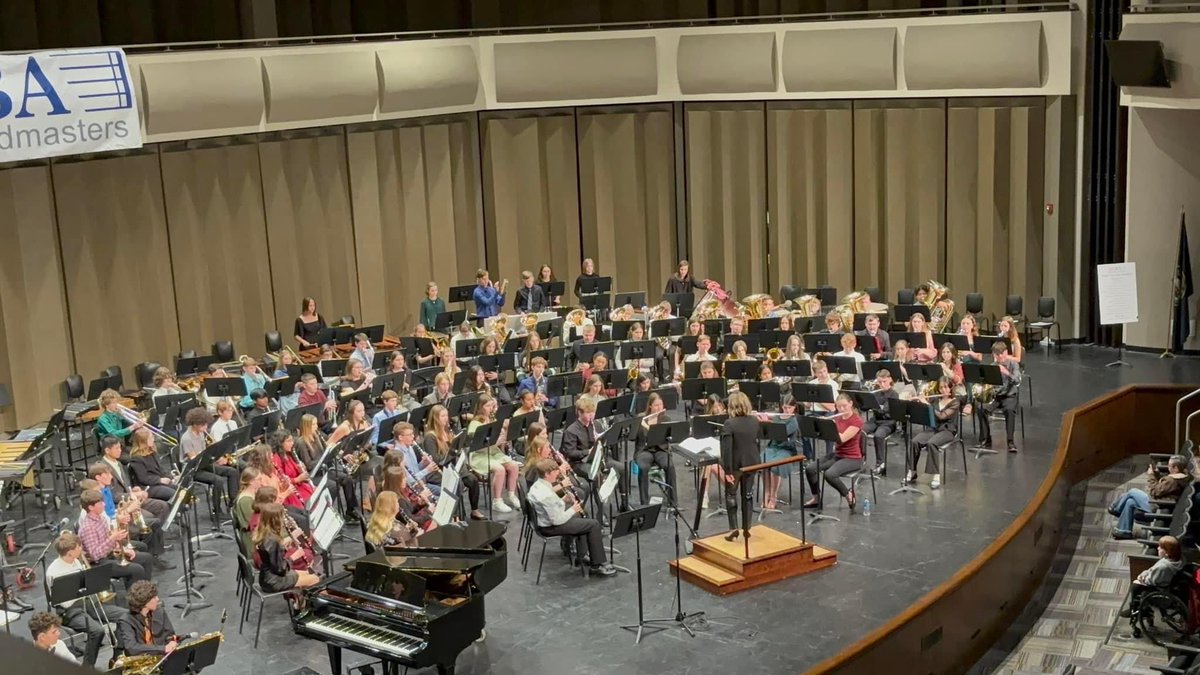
(622, 313)
(941, 307)
(758, 305)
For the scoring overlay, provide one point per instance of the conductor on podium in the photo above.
(739, 448)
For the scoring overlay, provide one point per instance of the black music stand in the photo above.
(193, 365)
(291, 421)
(900, 411)
(331, 368)
(870, 369)
(620, 330)
(682, 304)
(842, 365)
(596, 303)
(792, 368)
(553, 289)
(564, 384)
(617, 405)
(594, 286)
(261, 424)
(446, 322)
(550, 328)
(498, 363)
(817, 429)
(462, 404)
(584, 352)
(559, 418)
(280, 386)
(703, 387)
(981, 373)
(771, 339)
(716, 327)
(860, 319)
(463, 293)
(767, 324)
(556, 358)
(393, 381)
(668, 327)
(635, 522)
(751, 340)
(826, 294)
(904, 313)
(641, 399)
(216, 387)
(741, 370)
(467, 348)
(191, 659)
(761, 392)
(822, 343)
(866, 346)
(635, 298)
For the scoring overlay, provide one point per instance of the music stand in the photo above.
(751, 340)
(594, 286)
(216, 387)
(641, 400)
(741, 370)
(392, 381)
(595, 303)
(564, 384)
(446, 322)
(280, 386)
(981, 373)
(617, 405)
(461, 378)
(771, 339)
(292, 421)
(462, 404)
(635, 522)
(681, 303)
(761, 392)
(556, 358)
(553, 289)
(467, 348)
(81, 585)
(463, 293)
(585, 352)
(818, 343)
(559, 418)
(635, 298)
(611, 377)
(792, 368)
(870, 369)
(260, 424)
(331, 368)
(766, 324)
(716, 327)
(823, 429)
(298, 370)
(901, 412)
(904, 313)
(703, 387)
(497, 363)
(193, 365)
(190, 659)
(620, 330)
(549, 328)
(844, 365)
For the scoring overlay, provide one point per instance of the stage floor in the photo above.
(908, 545)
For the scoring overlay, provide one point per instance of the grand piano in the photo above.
(413, 607)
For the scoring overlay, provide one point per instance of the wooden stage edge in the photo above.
(950, 628)
(722, 567)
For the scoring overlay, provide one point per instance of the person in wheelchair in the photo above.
(1158, 486)
(1159, 575)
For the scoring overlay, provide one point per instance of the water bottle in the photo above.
(866, 507)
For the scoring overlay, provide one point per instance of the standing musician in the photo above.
(389, 526)
(254, 378)
(164, 383)
(1007, 329)
(882, 341)
(1006, 398)
(545, 275)
(847, 457)
(578, 443)
(945, 413)
(537, 383)
(491, 460)
(146, 468)
(111, 422)
(881, 425)
(438, 442)
(489, 298)
(530, 297)
(278, 551)
(926, 353)
(653, 455)
(222, 478)
(739, 448)
(104, 538)
(364, 352)
(683, 281)
(431, 306)
(81, 614)
(47, 635)
(309, 324)
(588, 272)
(562, 516)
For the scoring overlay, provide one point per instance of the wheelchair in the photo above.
(1161, 613)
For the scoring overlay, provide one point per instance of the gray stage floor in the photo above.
(908, 545)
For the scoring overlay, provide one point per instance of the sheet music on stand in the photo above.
(447, 503)
(597, 462)
(326, 522)
(709, 447)
(609, 486)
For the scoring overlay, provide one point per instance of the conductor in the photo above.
(739, 448)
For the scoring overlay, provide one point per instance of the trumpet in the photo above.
(774, 354)
(134, 417)
(502, 286)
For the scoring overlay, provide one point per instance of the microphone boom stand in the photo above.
(681, 618)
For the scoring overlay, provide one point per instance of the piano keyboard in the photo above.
(360, 632)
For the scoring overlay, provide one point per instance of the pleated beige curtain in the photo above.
(726, 194)
(899, 194)
(530, 197)
(310, 236)
(627, 198)
(218, 236)
(994, 196)
(117, 264)
(416, 215)
(811, 195)
(35, 345)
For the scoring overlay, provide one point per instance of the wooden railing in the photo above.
(953, 625)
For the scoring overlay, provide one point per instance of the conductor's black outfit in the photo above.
(739, 448)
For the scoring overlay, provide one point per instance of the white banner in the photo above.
(66, 103)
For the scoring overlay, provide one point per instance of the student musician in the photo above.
(881, 425)
(538, 384)
(1007, 329)
(225, 421)
(243, 508)
(278, 552)
(441, 390)
(578, 442)
(902, 355)
(431, 306)
(653, 455)
(545, 276)
(309, 324)
(847, 456)
(356, 420)
(147, 469)
(879, 342)
(103, 540)
(539, 449)
(777, 450)
(281, 364)
(945, 414)
(833, 324)
(926, 353)
(146, 628)
(420, 466)
(111, 422)
(122, 483)
(562, 516)
(587, 273)
(794, 349)
(152, 536)
(968, 327)
(364, 353)
(261, 405)
(644, 365)
(164, 383)
(287, 465)
(849, 342)
(1006, 398)
(739, 448)
(438, 443)
(488, 297)
(821, 376)
(311, 394)
(683, 281)
(391, 408)
(530, 297)
(952, 368)
(389, 526)
(415, 503)
(253, 377)
(282, 490)
(354, 379)
(81, 615)
(533, 343)
(47, 635)
(222, 478)
(703, 347)
(422, 360)
(398, 366)
(491, 460)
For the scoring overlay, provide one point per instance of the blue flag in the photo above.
(1183, 290)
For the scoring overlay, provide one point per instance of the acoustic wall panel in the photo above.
(851, 59)
(202, 95)
(738, 63)
(307, 85)
(997, 55)
(422, 76)
(564, 70)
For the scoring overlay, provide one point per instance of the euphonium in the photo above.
(941, 307)
(983, 393)
(806, 306)
(576, 317)
(756, 305)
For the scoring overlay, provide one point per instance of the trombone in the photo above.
(134, 417)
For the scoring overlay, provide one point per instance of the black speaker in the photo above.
(1137, 63)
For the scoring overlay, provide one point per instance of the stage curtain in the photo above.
(627, 199)
(310, 236)
(416, 215)
(811, 195)
(218, 240)
(117, 263)
(530, 197)
(899, 194)
(726, 194)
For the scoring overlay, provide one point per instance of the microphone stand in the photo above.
(681, 618)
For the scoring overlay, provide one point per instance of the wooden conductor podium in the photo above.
(724, 567)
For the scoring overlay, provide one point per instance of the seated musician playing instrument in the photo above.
(283, 457)
(539, 449)
(739, 352)
(794, 350)
(562, 516)
(926, 353)
(578, 442)
(438, 443)
(309, 324)
(225, 422)
(164, 383)
(1158, 486)
(492, 461)
(311, 394)
(222, 478)
(45, 628)
(703, 345)
(881, 425)
(364, 353)
(644, 365)
(420, 466)
(537, 383)
(653, 455)
(152, 537)
(282, 490)
(104, 539)
(1006, 398)
(354, 379)
(146, 628)
(1006, 328)
(416, 503)
(952, 368)
(147, 469)
(945, 413)
(833, 323)
(243, 508)
(122, 484)
(968, 327)
(389, 526)
(278, 552)
(441, 390)
(356, 420)
(111, 422)
(849, 342)
(254, 379)
(847, 457)
(881, 341)
(431, 306)
(81, 615)
(422, 360)
(533, 343)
